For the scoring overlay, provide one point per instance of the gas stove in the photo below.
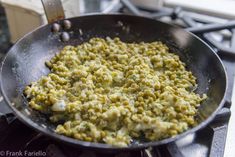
(16, 139)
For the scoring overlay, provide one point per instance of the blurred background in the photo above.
(18, 17)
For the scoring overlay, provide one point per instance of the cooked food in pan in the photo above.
(109, 91)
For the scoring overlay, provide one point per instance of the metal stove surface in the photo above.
(210, 141)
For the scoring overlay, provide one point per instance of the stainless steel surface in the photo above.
(104, 6)
(53, 10)
(112, 5)
(154, 4)
(230, 142)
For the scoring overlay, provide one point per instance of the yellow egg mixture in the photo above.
(109, 91)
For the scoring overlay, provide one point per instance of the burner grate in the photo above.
(198, 24)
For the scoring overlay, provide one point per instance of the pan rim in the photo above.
(103, 146)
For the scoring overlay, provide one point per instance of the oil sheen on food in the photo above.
(112, 92)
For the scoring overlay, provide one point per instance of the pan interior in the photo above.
(25, 62)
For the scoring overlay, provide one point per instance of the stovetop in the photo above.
(16, 139)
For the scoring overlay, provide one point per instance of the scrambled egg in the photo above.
(109, 91)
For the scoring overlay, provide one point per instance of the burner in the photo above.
(16, 137)
(210, 141)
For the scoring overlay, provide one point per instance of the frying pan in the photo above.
(25, 62)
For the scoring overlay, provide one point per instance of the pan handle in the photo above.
(53, 9)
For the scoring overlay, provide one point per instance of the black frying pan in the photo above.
(25, 62)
